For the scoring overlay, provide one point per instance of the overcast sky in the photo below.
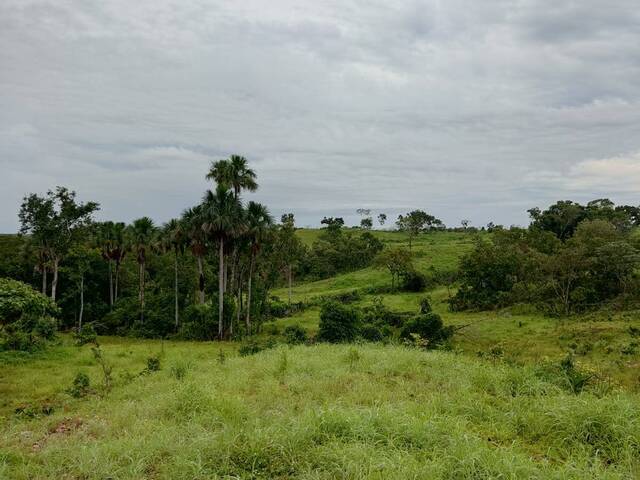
(466, 109)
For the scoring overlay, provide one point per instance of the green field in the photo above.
(493, 407)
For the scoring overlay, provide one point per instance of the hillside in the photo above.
(602, 340)
(314, 412)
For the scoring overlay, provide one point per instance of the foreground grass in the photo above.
(318, 412)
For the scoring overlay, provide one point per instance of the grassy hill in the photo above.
(602, 340)
(365, 411)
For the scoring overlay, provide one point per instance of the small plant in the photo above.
(629, 349)
(222, 357)
(153, 364)
(576, 379)
(107, 379)
(81, 386)
(353, 357)
(252, 346)
(179, 370)
(634, 331)
(283, 366)
(87, 334)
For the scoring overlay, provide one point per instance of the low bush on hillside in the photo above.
(428, 327)
(338, 323)
(295, 334)
(27, 318)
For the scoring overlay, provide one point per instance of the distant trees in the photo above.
(366, 223)
(141, 236)
(397, 261)
(382, 218)
(415, 222)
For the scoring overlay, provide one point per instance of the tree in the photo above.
(465, 223)
(174, 239)
(366, 223)
(289, 246)
(382, 218)
(55, 222)
(222, 214)
(79, 263)
(561, 218)
(259, 222)
(142, 232)
(415, 222)
(397, 261)
(333, 225)
(193, 221)
(235, 173)
(110, 240)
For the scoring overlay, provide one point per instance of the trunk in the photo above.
(54, 283)
(115, 292)
(248, 317)
(200, 280)
(239, 301)
(290, 276)
(44, 279)
(141, 293)
(221, 289)
(81, 303)
(234, 261)
(226, 277)
(175, 289)
(110, 286)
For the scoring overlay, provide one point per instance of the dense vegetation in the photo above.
(462, 352)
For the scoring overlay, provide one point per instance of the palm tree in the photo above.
(173, 238)
(118, 251)
(235, 173)
(142, 233)
(104, 241)
(222, 213)
(259, 222)
(192, 220)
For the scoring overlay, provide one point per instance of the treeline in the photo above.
(572, 258)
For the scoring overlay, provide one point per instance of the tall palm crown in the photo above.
(222, 213)
(173, 236)
(258, 222)
(192, 220)
(141, 234)
(234, 172)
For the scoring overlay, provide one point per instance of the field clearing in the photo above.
(365, 411)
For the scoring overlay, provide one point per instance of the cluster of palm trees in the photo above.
(220, 222)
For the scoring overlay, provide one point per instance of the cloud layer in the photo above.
(467, 109)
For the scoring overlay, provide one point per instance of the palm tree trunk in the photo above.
(110, 286)
(248, 317)
(200, 280)
(141, 292)
(221, 290)
(117, 276)
(175, 288)
(81, 302)
(290, 281)
(54, 283)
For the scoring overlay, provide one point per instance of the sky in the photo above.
(466, 109)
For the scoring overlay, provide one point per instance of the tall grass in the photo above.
(326, 412)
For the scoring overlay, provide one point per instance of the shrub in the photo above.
(153, 364)
(413, 281)
(87, 334)
(295, 334)
(81, 386)
(428, 327)
(26, 316)
(338, 323)
(425, 305)
(253, 346)
(277, 308)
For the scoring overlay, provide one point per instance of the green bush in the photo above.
(253, 346)
(295, 334)
(200, 322)
(429, 327)
(413, 281)
(338, 323)
(26, 316)
(81, 386)
(371, 333)
(425, 305)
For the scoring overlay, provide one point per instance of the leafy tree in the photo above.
(333, 225)
(397, 261)
(382, 218)
(289, 246)
(366, 223)
(54, 222)
(415, 222)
